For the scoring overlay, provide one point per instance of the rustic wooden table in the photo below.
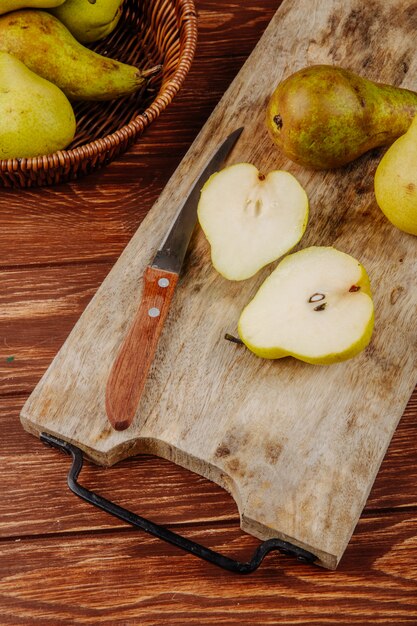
(61, 561)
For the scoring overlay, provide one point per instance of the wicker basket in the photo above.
(150, 32)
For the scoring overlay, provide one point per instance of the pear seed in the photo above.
(317, 297)
(354, 288)
(258, 207)
(278, 121)
(321, 307)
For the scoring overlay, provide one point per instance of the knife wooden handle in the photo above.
(130, 369)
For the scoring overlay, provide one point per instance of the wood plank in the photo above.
(127, 578)
(97, 224)
(37, 312)
(33, 474)
(313, 497)
(237, 26)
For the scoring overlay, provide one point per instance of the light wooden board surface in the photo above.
(298, 446)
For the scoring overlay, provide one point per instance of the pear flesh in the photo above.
(396, 182)
(315, 306)
(249, 219)
(47, 47)
(13, 5)
(36, 118)
(324, 116)
(89, 21)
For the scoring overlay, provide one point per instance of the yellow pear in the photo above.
(47, 47)
(35, 116)
(396, 182)
(87, 20)
(14, 5)
(315, 306)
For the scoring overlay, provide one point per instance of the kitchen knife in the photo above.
(130, 369)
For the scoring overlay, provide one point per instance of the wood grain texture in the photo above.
(298, 457)
(150, 486)
(139, 570)
(60, 541)
(38, 309)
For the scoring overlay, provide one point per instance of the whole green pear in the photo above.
(47, 47)
(89, 20)
(14, 5)
(36, 118)
(324, 116)
(396, 182)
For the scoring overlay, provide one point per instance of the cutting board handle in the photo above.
(130, 369)
(163, 533)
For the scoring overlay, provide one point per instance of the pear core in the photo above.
(315, 306)
(250, 219)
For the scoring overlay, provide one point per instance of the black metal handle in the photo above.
(163, 533)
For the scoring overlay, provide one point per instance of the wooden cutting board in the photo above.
(298, 446)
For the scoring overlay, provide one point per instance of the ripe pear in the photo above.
(89, 20)
(35, 116)
(14, 5)
(251, 219)
(396, 181)
(324, 117)
(47, 47)
(315, 306)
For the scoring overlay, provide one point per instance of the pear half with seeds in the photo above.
(315, 306)
(250, 219)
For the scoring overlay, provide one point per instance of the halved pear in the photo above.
(250, 219)
(315, 306)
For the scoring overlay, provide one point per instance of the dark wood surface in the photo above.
(62, 562)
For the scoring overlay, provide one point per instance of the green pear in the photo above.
(13, 5)
(36, 118)
(315, 306)
(324, 117)
(251, 219)
(396, 182)
(89, 20)
(47, 47)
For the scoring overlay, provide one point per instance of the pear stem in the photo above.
(151, 71)
(233, 339)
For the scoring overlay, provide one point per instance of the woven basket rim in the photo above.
(188, 16)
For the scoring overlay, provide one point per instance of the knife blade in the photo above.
(131, 366)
